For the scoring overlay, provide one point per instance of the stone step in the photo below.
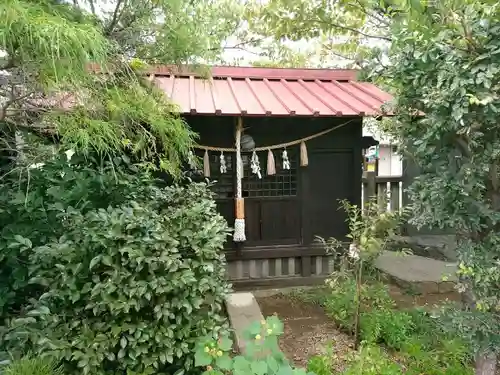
(440, 247)
(243, 310)
(424, 275)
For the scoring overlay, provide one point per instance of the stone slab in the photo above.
(425, 274)
(243, 310)
(440, 247)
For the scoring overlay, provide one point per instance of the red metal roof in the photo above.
(236, 91)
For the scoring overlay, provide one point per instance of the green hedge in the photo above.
(127, 287)
(423, 345)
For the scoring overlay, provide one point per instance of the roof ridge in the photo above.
(259, 72)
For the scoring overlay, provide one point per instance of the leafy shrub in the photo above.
(130, 286)
(392, 327)
(32, 366)
(371, 360)
(261, 356)
(423, 344)
(420, 360)
(341, 304)
(33, 206)
(320, 364)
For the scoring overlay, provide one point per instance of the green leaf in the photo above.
(121, 354)
(259, 367)
(272, 364)
(22, 240)
(94, 261)
(284, 370)
(107, 260)
(241, 365)
(224, 362)
(254, 329)
(225, 344)
(275, 324)
(202, 359)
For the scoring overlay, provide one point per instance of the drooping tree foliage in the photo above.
(446, 75)
(352, 33)
(102, 267)
(46, 86)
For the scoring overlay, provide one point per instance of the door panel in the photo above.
(330, 179)
(280, 221)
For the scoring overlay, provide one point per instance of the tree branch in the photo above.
(9, 64)
(381, 37)
(11, 101)
(115, 18)
(361, 8)
(463, 145)
(92, 7)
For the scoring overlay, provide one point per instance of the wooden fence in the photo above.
(388, 190)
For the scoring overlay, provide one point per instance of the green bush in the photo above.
(261, 355)
(32, 366)
(372, 360)
(340, 304)
(391, 327)
(320, 364)
(423, 344)
(33, 206)
(128, 287)
(419, 359)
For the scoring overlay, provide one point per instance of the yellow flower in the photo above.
(207, 349)
(219, 353)
(257, 337)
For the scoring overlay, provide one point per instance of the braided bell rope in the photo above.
(271, 147)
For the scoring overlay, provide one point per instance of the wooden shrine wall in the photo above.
(285, 213)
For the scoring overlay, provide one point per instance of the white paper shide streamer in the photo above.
(223, 167)
(286, 161)
(255, 165)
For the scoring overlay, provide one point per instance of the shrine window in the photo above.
(223, 183)
(282, 184)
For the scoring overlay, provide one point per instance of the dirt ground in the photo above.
(308, 330)
(404, 299)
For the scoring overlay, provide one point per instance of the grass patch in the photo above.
(395, 341)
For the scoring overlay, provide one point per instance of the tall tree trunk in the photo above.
(486, 363)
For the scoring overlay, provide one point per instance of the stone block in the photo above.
(243, 310)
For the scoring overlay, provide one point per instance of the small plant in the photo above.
(371, 360)
(369, 231)
(261, 356)
(29, 365)
(392, 327)
(341, 305)
(320, 364)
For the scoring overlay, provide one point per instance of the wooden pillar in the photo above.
(371, 186)
(304, 192)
